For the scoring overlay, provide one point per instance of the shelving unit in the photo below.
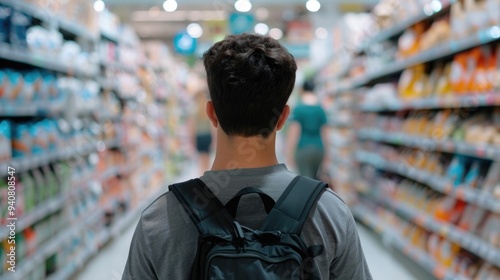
(44, 62)
(486, 36)
(380, 124)
(438, 183)
(397, 241)
(107, 167)
(466, 101)
(28, 163)
(104, 236)
(480, 151)
(432, 9)
(47, 16)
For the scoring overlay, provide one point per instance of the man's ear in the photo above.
(211, 114)
(284, 116)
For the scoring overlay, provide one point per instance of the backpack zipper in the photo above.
(232, 254)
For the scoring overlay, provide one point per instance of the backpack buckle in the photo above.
(269, 237)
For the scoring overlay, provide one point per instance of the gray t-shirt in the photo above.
(165, 240)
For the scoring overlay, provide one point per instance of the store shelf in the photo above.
(35, 161)
(452, 47)
(44, 109)
(397, 241)
(454, 101)
(108, 84)
(56, 203)
(340, 123)
(104, 236)
(66, 272)
(53, 245)
(43, 62)
(451, 232)
(427, 144)
(69, 26)
(42, 211)
(438, 183)
(110, 36)
(119, 66)
(431, 9)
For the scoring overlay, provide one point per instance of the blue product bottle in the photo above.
(456, 170)
(19, 24)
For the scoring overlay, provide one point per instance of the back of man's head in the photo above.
(250, 78)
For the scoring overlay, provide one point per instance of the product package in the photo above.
(3, 201)
(456, 170)
(22, 141)
(19, 25)
(5, 13)
(39, 137)
(5, 141)
(29, 190)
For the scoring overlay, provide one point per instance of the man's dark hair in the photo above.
(308, 85)
(250, 78)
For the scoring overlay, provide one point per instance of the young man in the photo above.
(250, 79)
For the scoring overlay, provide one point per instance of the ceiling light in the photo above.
(262, 13)
(313, 5)
(261, 28)
(276, 33)
(243, 6)
(179, 15)
(436, 5)
(170, 5)
(99, 5)
(194, 30)
(321, 33)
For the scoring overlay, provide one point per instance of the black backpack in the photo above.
(228, 250)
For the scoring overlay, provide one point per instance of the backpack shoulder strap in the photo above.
(291, 210)
(205, 210)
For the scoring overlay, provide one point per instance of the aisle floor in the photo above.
(110, 262)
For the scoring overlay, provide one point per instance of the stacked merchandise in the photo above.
(171, 90)
(87, 148)
(427, 120)
(340, 136)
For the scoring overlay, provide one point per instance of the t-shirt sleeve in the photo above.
(139, 263)
(322, 117)
(350, 262)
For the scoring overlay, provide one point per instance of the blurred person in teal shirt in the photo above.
(308, 136)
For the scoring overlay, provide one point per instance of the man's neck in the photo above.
(237, 152)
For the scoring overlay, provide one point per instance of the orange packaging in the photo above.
(458, 75)
(479, 81)
(494, 69)
(408, 43)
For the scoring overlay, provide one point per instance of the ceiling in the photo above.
(151, 22)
